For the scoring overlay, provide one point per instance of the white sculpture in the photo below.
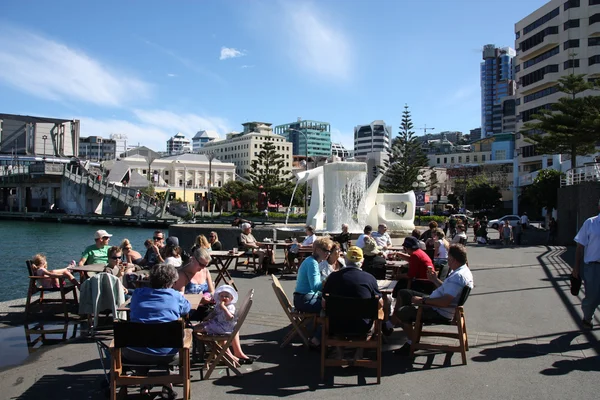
(339, 193)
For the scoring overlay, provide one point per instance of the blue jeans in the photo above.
(590, 273)
(310, 303)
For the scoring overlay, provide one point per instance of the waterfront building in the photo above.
(178, 144)
(203, 137)
(97, 148)
(452, 136)
(558, 39)
(307, 136)
(242, 148)
(497, 82)
(38, 136)
(372, 138)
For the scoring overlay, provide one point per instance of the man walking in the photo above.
(588, 249)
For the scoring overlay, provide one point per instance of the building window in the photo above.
(572, 23)
(569, 44)
(571, 64)
(445, 160)
(594, 18)
(543, 92)
(438, 160)
(538, 75)
(571, 4)
(166, 173)
(517, 35)
(541, 57)
(500, 154)
(594, 60)
(517, 68)
(483, 158)
(541, 21)
(459, 159)
(452, 160)
(594, 2)
(538, 38)
(475, 158)
(594, 41)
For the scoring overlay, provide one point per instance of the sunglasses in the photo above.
(158, 238)
(105, 237)
(115, 258)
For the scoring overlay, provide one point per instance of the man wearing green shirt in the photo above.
(98, 252)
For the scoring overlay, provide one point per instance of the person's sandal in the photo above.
(168, 393)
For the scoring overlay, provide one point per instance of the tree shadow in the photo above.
(60, 387)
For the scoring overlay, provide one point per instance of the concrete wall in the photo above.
(575, 204)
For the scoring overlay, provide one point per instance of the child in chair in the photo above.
(40, 268)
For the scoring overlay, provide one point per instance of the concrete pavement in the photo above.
(522, 323)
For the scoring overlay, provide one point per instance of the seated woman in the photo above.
(307, 243)
(173, 256)
(333, 263)
(461, 236)
(130, 256)
(40, 268)
(213, 239)
(155, 304)
(307, 296)
(441, 247)
(201, 243)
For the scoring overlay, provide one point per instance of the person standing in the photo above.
(518, 233)
(588, 251)
(525, 220)
(506, 233)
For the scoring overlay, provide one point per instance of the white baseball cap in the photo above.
(101, 233)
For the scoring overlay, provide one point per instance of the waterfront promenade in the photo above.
(523, 331)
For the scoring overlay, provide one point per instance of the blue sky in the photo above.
(152, 68)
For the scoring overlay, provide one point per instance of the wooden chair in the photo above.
(35, 286)
(344, 308)
(298, 319)
(134, 334)
(220, 343)
(458, 320)
(247, 260)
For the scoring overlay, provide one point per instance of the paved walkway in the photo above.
(522, 323)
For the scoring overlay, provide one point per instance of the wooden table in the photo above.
(395, 267)
(222, 260)
(86, 269)
(194, 300)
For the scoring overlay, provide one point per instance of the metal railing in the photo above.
(129, 196)
(587, 173)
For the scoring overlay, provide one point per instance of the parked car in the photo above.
(467, 221)
(512, 219)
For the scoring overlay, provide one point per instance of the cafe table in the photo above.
(85, 270)
(222, 260)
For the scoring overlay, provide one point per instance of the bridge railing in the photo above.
(586, 173)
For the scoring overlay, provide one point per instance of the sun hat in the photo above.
(411, 243)
(370, 247)
(228, 289)
(101, 233)
(354, 254)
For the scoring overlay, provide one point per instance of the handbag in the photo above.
(575, 285)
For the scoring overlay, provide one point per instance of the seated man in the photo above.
(442, 301)
(360, 242)
(343, 238)
(418, 264)
(307, 243)
(351, 281)
(374, 262)
(382, 238)
(154, 251)
(98, 252)
(250, 246)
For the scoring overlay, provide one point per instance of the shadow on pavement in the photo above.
(60, 387)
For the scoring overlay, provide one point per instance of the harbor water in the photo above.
(60, 243)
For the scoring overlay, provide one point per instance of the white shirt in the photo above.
(453, 285)
(589, 236)
(309, 240)
(458, 236)
(360, 242)
(382, 239)
(524, 219)
(174, 261)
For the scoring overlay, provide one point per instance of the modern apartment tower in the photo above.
(372, 138)
(178, 144)
(306, 136)
(497, 82)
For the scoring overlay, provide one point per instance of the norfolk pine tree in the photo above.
(406, 158)
(267, 170)
(571, 126)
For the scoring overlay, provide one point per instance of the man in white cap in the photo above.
(588, 249)
(98, 252)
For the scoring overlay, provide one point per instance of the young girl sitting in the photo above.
(40, 268)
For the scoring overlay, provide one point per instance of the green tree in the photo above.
(543, 193)
(484, 196)
(406, 159)
(571, 125)
(267, 170)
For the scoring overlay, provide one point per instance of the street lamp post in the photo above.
(305, 167)
(44, 138)
(210, 156)
(419, 184)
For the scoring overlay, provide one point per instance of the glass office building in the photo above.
(497, 82)
(317, 133)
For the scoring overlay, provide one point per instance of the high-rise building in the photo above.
(97, 148)
(338, 150)
(372, 138)
(306, 136)
(178, 144)
(497, 82)
(242, 148)
(201, 138)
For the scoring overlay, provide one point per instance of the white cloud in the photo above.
(246, 66)
(314, 43)
(230, 52)
(152, 128)
(52, 70)
(171, 75)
